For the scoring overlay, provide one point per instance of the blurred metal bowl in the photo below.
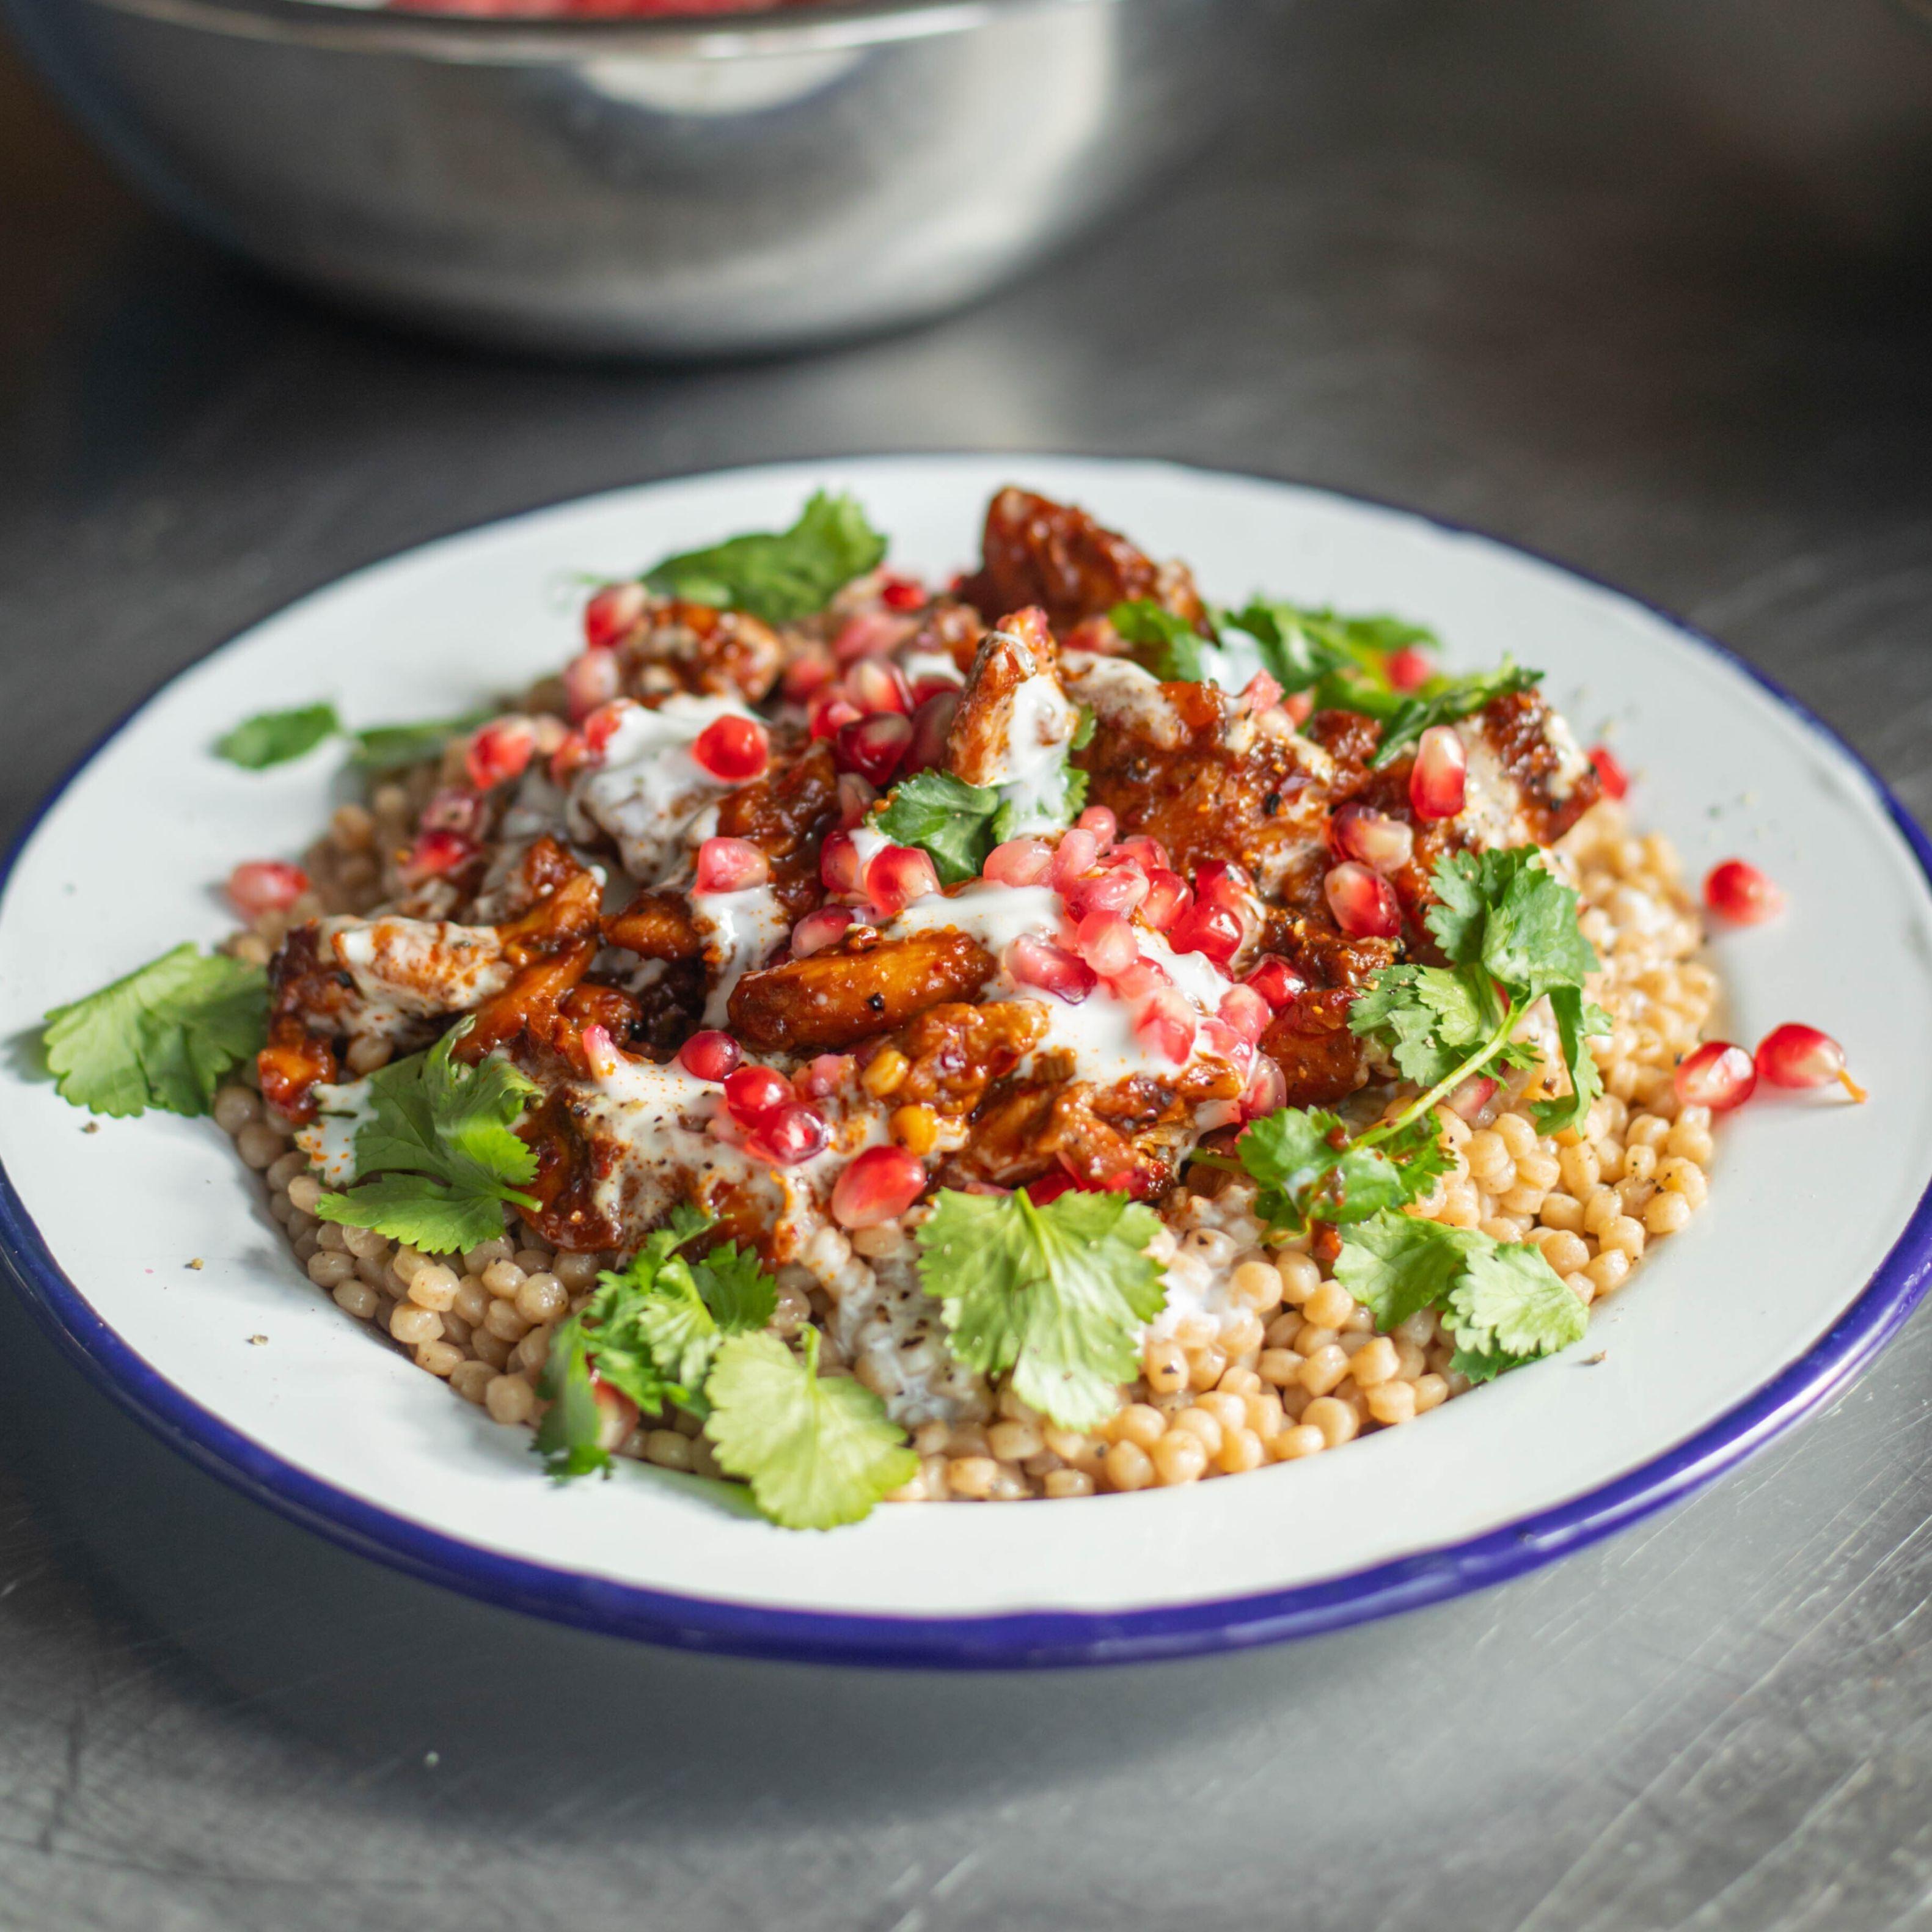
(654, 186)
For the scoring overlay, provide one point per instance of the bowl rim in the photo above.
(1026, 1639)
(364, 26)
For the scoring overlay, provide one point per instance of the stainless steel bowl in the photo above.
(650, 187)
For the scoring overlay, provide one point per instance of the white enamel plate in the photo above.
(1730, 1331)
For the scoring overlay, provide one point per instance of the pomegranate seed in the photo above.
(1263, 692)
(1211, 930)
(1141, 981)
(612, 614)
(1736, 890)
(789, 1135)
(617, 1413)
(1102, 823)
(897, 876)
(437, 853)
(1300, 708)
(875, 685)
(1610, 772)
(588, 682)
(601, 726)
(824, 1073)
(880, 1185)
(1149, 854)
(1118, 891)
(933, 685)
(1718, 1075)
(829, 713)
(1167, 1024)
(601, 1056)
(1796, 1055)
(1106, 942)
(733, 749)
(500, 752)
(752, 1093)
(710, 1055)
(873, 747)
(1364, 906)
(1267, 1089)
(1034, 962)
(452, 810)
(1276, 982)
(265, 885)
(903, 593)
(856, 798)
(1439, 784)
(840, 869)
(1407, 669)
(817, 930)
(1167, 897)
(870, 634)
(1470, 1099)
(1383, 844)
(1074, 855)
(1218, 1037)
(1222, 883)
(1247, 1011)
(1019, 862)
(807, 674)
(1050, 1187)
(731, 866)
(931, 723)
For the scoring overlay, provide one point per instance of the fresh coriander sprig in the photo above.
(438, 1139)
(779, 575)
(163, 1037)
(1508, 927)
(959, 824)
(1054, 1292)
(652, 1331)
(276, 737)
(1502, 1301)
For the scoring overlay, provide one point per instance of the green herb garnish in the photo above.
(1055, 1293)
(439, 1138)
(1169, 646)
(781, 576)
(959, 823)
(274, 737)
(651, 1329)
(1508, 928)
(163, 1037)
(817, 1451)
(387, 748)
(1502, 1302)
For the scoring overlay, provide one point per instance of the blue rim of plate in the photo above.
(1016, 1639)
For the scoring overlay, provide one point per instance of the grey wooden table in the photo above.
(1646, 286)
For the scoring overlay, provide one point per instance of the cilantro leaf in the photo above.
(1510, 1303)
(1576, 1018)
(1505, 912)
(1169, 646)
(945, 817)
(163, 1037)
(387, 748)
(817, 1453)
(274, 737)
(1396, 1264)
(1043, 805)
(1308, 1170)
(1442, 701)
(1428, 1017)
(780, 576)
(439, 1137)
(1053, 1293)
(1083, 732)
(651, 1329)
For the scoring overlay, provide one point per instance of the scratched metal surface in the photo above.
(1644, 285)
